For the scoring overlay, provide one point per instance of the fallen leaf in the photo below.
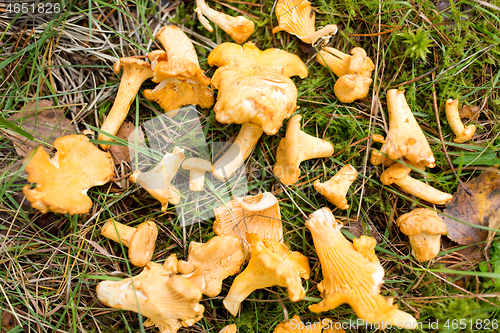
(8, 321)
(45, 123)
(122, 153)
(469, 112)
(479, 208)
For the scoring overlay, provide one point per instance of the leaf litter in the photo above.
(481, 208)
(45, 122)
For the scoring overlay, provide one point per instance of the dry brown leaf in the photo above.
(469, 112)
(480, 208)
(45, 124)
(121, 153)
(8, 322)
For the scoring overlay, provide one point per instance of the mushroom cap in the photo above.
(168, 302)
(133, 64)
(172, 93)
(394, 173)
(421, 220)
(249, 56)
(214, 261)
(229, 329)
(405, 137)
(352, 273)
(63, 180)
(297, 17)
(142, 244)
(351, 87)
(271, 264)
(198, 164)
(259, 96)
(296, 147)
(236, 221)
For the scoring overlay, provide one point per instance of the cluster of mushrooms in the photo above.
(254, 90)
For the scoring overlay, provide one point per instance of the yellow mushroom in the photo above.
(254, 85)
(239, 151)
(220, 257)
(463, 133)
(157, 180)
(239, 28)
(234, 219)
(271, 264)
(352, 273)
(354, 72)
(135, 72)
(424, 228)
(336, 188)
(180, 79)
(297, 17)
(405, 137)
(169, 302)
(197, 168)
(295, 148)
(140, 240)
(62, 181)
(400, 175)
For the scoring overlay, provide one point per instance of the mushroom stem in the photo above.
(399, 174)
(423, 191)
(328, 30)
(463, 133)
(197, 168)
(117, 231)
(239, 151)
(239, 28)
(135, 72)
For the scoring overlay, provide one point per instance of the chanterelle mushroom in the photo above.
(197, 168)
(157, 180)
(297, 17)
(271, 264)
(140, 240)
(463, 133)
(405, 137)
(354, 72)
(254, 85)
(336, 188)
(234, 219)
(400, 175)
(63, 180)
(295, 148)
(169, 302)
(135, 72)
(180, 79)
(214, 261)
(424, 228)
(352, 273)
(239, 28)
